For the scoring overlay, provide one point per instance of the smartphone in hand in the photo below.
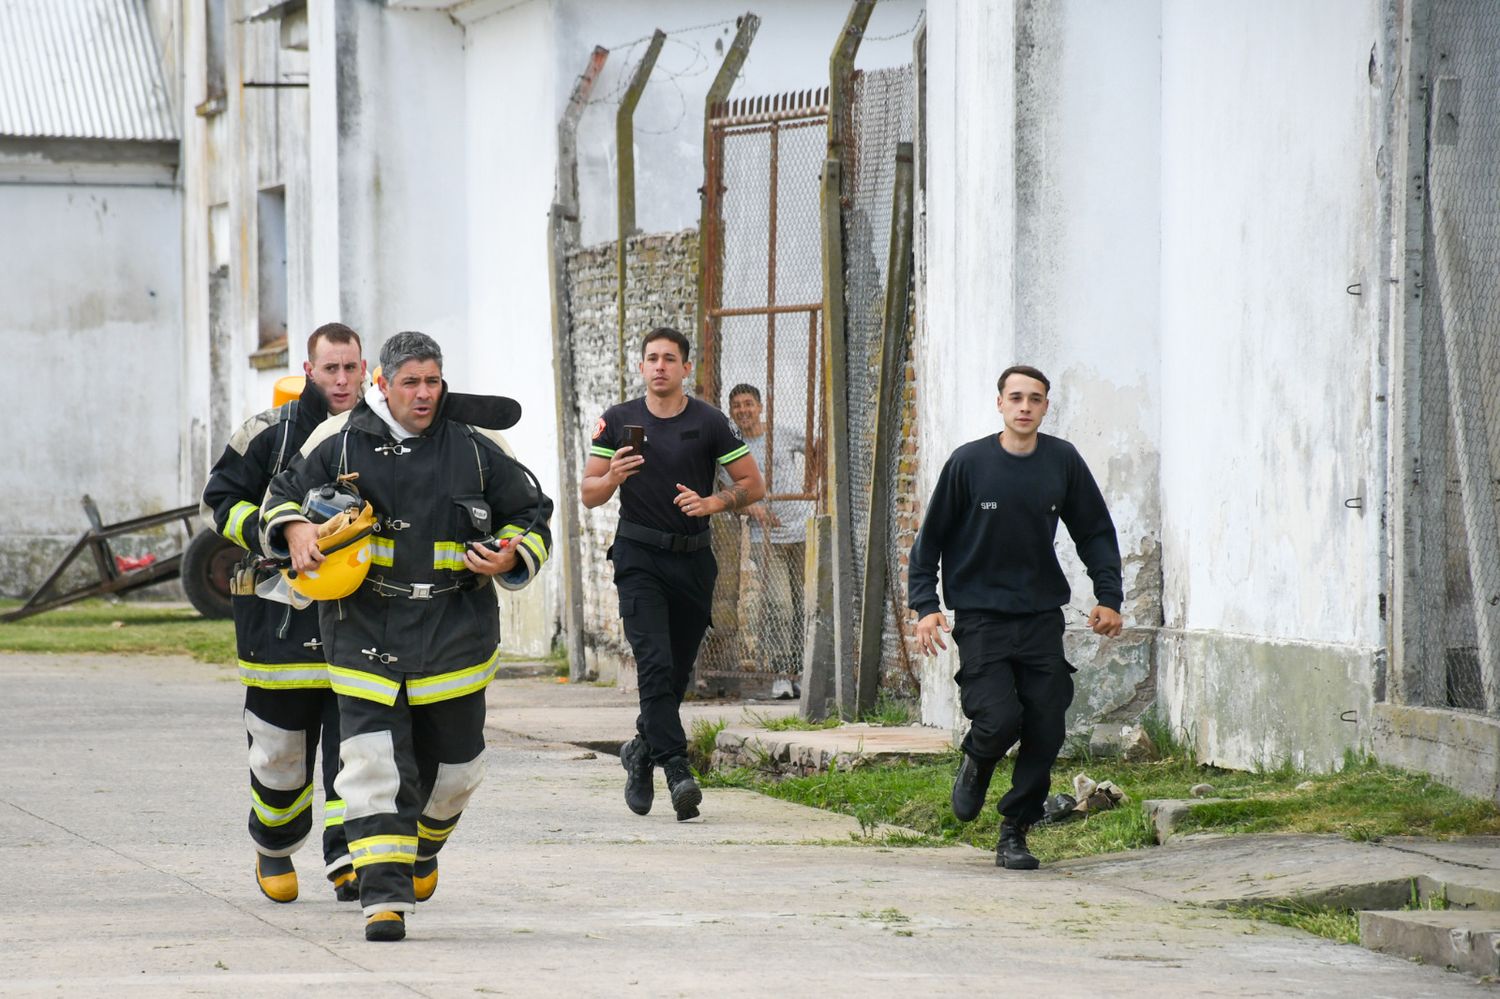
(635, 439)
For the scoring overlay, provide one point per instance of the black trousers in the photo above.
(409, 771)
(283, 729)
(1015, 684)
(665, 600)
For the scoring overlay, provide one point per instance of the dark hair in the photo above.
(1026, 371)
(409, 346)
(333, 333)
(667, 333)
(744, 388)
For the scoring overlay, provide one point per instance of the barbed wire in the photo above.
(901, 34)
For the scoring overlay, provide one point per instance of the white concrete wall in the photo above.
(90, 316)
(1270, 372)
(402, 182)
(1268, 366)
(511, 156)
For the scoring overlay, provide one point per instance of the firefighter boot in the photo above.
(684, 789)
(970, 786)
(384, 927)
(345, 884)
(635, 757)
(1011, 852)
(424, 878)
(277, 878)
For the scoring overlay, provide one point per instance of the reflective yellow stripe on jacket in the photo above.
(530, 539)
(270, 815)
(333, 813)
(446, 686)
(234, 524)
(358, 683)
(383, 850)
(448, 555)
(284, 676)
(382, 552)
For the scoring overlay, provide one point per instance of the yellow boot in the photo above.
(424, 879)
(385, 927)
(277, 878)
(346, 885)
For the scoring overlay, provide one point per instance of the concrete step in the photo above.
(801, 752)
(1466, 940)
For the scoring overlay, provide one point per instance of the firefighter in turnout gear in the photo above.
(288, 702)
(411, 651)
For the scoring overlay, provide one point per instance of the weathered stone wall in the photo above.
(661, 290)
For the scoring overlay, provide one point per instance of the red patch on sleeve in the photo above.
(599, 430)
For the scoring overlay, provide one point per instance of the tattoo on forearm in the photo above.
(736, 497)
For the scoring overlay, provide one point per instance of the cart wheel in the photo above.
(207, 567)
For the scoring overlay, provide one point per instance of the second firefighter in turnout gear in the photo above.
(288, 703)
(411, 651)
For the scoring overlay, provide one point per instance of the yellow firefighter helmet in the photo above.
(345, 522)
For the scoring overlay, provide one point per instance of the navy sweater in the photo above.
(992, 522)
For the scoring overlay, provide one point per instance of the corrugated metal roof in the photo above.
(81, 69)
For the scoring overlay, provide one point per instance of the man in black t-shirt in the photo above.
(991, 524)
(664, 570)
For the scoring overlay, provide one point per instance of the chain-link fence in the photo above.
(881, 115)
(762, 364)
(1459, 578)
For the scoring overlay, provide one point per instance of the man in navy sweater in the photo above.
(991, 523)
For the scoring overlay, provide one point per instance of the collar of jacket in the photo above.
(365, 420)
(312, 407)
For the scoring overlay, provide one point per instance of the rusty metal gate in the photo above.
(760, 361)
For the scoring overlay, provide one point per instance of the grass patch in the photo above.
(1341, 925)
(890, 711)
(789, 723)
(1363, 802)
(701, 741)
(96, 626)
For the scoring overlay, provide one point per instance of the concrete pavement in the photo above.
(122, 812)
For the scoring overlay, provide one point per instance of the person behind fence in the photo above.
(415, 641)
(778, 535)
(289, 707)
(662, 452)
(990, 526)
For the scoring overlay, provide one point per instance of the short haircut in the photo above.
(1026, 371)
(745, 388)
(333, 333)
(667, 333)
(405, 347)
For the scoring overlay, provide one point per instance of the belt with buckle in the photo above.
(416, 591)
(663, 539)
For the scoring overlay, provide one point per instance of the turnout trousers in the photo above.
(665, 600)
(284, 728)
(1015, 684)
(408, 773)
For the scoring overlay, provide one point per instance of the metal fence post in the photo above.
(840, 66)
(1417, 466)
(562, 236)
(887, 428)
(625, 194)
(710, 219)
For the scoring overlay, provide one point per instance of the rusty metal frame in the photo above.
(750, 116)
(110, 578)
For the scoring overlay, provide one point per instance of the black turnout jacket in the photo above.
(275, 643)
(433, 494)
